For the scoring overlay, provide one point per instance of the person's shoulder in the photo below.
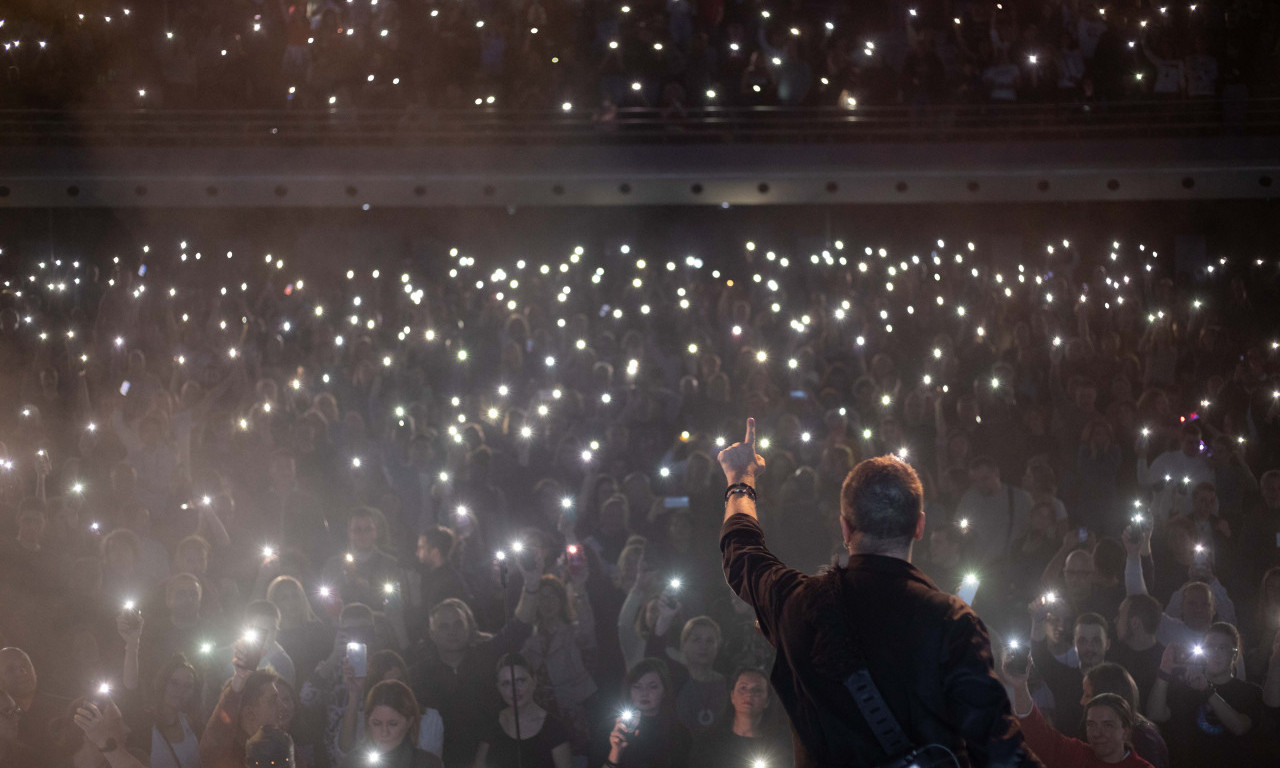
(425, 759)
(555, 730)
(1242, 688)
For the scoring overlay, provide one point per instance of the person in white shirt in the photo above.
(1173, 474)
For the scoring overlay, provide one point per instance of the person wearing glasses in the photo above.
(1208, 715)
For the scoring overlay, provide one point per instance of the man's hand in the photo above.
(740, 462)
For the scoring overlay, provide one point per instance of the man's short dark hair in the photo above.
(1094, 619)
(882, 498)
(1146, 609)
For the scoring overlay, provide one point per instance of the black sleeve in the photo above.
(1058, 676)
(1245, 698)
(976, 699)
(681, 746)
(555, 732)
(754, 574)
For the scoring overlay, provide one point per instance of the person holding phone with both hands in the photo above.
(1209, 716)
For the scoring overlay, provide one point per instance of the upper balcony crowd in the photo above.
(424, 56)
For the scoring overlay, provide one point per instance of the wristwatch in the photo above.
(111, 746)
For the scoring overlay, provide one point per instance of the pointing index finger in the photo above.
(751, 434)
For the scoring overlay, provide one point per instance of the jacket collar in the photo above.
(890, 566)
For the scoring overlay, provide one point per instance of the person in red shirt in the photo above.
(1108, 722)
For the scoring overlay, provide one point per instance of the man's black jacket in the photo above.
(927, 652)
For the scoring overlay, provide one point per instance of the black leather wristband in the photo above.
(742, 488)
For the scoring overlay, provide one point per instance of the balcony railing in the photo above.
(341, 127)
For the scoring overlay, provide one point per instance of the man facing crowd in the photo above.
(879, 609)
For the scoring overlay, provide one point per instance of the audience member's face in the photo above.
(1197, 608)
(183, 600)
(386, 728)
(449, 630)
(1106, 733)
(362, 534)
(1091, 645)
(1055, 627)
(1219, 653)
(522, 686)
(701, 646)
(1078, 574)
(17, 675)
(647, 693)
(548, 604)
(750, 695)
(179, 689)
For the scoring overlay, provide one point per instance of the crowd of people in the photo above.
(422, 57)
(464, 511)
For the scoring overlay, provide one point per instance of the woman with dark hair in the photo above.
(645, 733)
(544, 740)
(1113, 678)
(748, 735)
(390, 731)
(1108, 722)
(1208, 714)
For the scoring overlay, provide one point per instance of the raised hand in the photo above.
(740, 462)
